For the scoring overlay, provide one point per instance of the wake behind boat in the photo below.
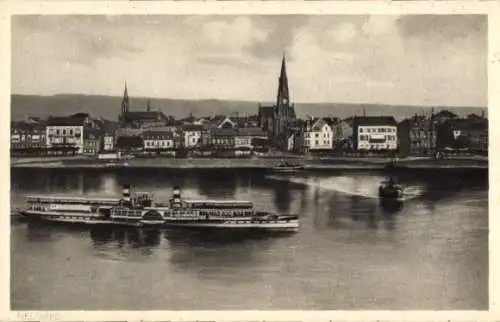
(140, 210)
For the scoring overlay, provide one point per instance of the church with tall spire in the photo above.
(277, 119)
(139, 119)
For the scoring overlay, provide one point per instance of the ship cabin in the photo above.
(226, 208)
(132, 206)
(71, 206)
(142, 199)
(46, 200)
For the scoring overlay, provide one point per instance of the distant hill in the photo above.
(108, 107)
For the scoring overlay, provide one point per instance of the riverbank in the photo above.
(249, 163)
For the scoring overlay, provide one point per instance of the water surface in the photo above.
(351, 252)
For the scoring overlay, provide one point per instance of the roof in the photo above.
(241, 121)
(25, 126)
(65, 121)
(218, 118)
(315, 124)
(80, 115)
(172, 122)
(332, 120)
(468, 124)
(251, 131)
(158, 134)
(91, 132)
(445, 113)
(189, 119)
(374, 120)
(474, 116)
(108, 126)
(143, 115)
(481, 125)
(224, 131)
(192, 127)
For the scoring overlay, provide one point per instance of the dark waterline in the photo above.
(352, 252)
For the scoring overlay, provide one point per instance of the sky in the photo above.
(410, 59)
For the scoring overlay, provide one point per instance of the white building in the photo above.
(158, 140)
(244, 137)
(65, 132)
(108, 142)
(315, 135)
(375, 133)
(191, 135)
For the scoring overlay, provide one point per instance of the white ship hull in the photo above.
(74, 218)
(88, 219)
(290, 226)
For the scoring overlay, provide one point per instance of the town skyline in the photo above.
(408, 62)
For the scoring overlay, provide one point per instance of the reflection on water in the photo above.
(353, 251)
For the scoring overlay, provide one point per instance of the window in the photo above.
(317, 142)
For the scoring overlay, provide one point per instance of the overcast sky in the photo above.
(418, 60)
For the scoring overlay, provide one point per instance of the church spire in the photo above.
(125, 100)
(283, 96)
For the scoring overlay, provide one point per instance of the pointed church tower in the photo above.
(283, 98)
(125, 100)
(283, 113)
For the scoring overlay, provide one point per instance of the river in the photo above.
(351, 253)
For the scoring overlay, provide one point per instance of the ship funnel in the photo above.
(126, 192)
(176, 201)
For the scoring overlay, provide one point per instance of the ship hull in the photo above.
(291, 227)
(84, 219)
(76, 220)
(390, 193)
(287, 170)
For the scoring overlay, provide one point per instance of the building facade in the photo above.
(417, 136)
(65, 132)
(27, 137)
(92, 141)
(223, 139)
(463, 134)
(245, 136)
(315, 135)
(191, 135)
(158, 140)
(375, 134)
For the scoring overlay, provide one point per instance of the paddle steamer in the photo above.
(140, 210)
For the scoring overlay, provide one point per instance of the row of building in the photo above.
(417, 135)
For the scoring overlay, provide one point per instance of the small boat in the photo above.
(390, 190)
(285, 167)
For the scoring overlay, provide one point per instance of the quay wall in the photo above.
(255, 163)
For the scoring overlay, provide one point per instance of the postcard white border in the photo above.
(490, 8)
